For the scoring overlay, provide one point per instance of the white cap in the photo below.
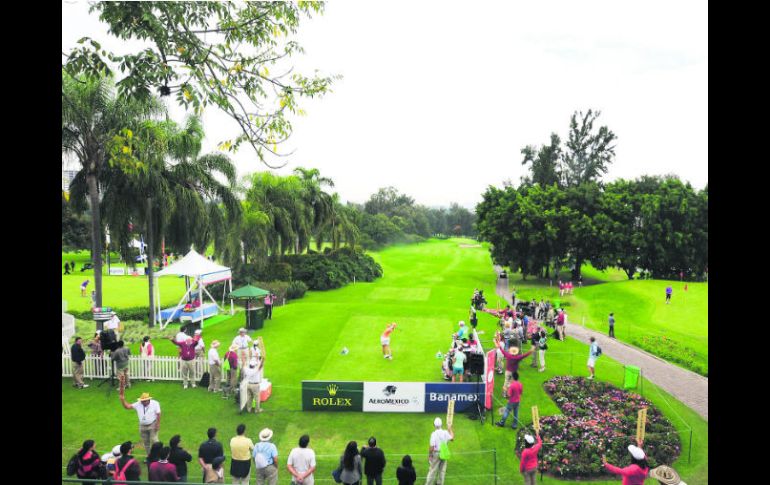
(462, 323)
(529, 438)
(636, 452)
(437, 422)
(198, 332)
(253, 363)
(116, 451)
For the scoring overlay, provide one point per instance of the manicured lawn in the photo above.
(120, 291)
(426, 289)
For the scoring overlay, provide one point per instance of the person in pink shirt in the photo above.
(636, 472)
(269, 299)
(162, 470)
(147, 351)
(528, 465)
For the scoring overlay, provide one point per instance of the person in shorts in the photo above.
(458, 367)
(593, 354)
(385, 341)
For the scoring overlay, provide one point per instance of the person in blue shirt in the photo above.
(593, 354)
(266, 459)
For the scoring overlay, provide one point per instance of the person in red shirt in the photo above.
(528, 465)
(162, 470)
(514, 398)
(636, 472)
(512, 359)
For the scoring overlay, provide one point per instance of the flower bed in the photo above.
(599, 419)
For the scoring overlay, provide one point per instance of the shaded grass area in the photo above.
(304, 340)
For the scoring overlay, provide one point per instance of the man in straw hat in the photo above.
(636, 472)
(438, 438)
(215, 368)
(148, 411)
(512, 359)
(253, 376)
(266, 459)
(665, 475)
(243, 342)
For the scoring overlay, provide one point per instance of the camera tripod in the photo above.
(111, 378)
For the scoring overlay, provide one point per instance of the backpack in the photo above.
(121, 474)
(443, 451)
(598, 351)
(72, 465)
(205, 378)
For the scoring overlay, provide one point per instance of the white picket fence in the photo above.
(161, 368)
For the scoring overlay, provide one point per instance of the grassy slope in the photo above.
(639, 306)
(425, 288)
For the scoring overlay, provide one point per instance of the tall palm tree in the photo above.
(318, 202)
(91, 117)
(340, 226)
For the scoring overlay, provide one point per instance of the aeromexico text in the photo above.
(394, 397)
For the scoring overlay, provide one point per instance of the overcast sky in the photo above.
(438, 97)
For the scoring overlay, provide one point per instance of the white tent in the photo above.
(205, 273)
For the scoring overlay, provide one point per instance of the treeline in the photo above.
(562, 215)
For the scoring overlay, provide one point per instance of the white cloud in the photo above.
(439, 97)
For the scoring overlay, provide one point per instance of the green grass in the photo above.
(303, 341)
(639, 307)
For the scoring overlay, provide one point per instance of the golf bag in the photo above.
(204, 382)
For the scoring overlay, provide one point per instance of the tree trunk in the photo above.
(150, 265)
(630, 272)
(578, 266)
(96, 236)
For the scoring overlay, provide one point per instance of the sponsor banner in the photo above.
(490, 378)
(438, 395)
(332, 396)
(117, 271)
(394, 397)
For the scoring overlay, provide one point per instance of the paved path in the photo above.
(690, 388)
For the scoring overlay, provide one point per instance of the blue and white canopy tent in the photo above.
(204, 272)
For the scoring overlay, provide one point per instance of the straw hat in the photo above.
(233, 348)
(666, 475)
(241, 330)
(144, 397)
(265, 434)
(215, 344)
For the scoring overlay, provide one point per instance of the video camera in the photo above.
(108, 340)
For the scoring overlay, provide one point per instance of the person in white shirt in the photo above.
(181, 336)
(114, 324)
(437, 470)
(301, 463)
(253, 376)
(243, 342)
(215, 368)
(200, 349)
(148, 411)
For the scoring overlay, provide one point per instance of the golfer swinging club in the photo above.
(385, 341)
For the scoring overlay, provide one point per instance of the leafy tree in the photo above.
(544, 163)
(588, 153)
(231, 55)
(386, 201)
(93, 118)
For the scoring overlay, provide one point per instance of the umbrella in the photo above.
(248, 292)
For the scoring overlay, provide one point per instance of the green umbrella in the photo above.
(248, 291)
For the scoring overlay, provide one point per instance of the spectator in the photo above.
(593, 353)
(458, 366)
(96, 351)
(665, 475)
(242, 342)
(473, 318)
(253, 376)
(148, 411)
(463, 330)
(301, 463)
(269, 306)
(669, 290)
(215, 368)
(534, 339)
(120, 357)
(83, 287)
(514, 398)
(542, 346)
(66, 267)
(153, 455)
(179, 457)
(147, 351)
(512, 364)
(636, 472)
(406, 473)
(200, 348)
(214, 472)
(561, 320)
(549, 316)
(438, 438)
(350, 465)
(88, 461)
(612, 325)
(266, 459)
(78, 355)
(209, 450)
(241, 448)
(374, 462)
(109, 460)
(528, 465)
(187, 359)
(127, 464)
(114, 324)
(231, 365)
